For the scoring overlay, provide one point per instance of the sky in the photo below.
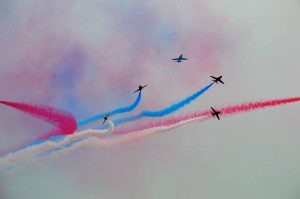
(88, 58)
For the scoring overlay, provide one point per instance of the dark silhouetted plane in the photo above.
(179, 59)
(215, 113)
(140, 88)
(105, 118)
(217, 79)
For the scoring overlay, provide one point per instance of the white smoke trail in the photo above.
(13, 158)
(90, 138)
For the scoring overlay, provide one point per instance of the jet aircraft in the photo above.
(215, 113)
(179, 59)
(217, 79)
(105, 118)
(140, 88)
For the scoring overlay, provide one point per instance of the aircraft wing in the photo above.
(176, 59)
(213, 77)
(213, 109)
(184, 58)
(218, 116)
(136, 91)
(221, 81)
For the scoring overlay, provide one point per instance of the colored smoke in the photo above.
(116, 111)
(165, 111)
(64, 122)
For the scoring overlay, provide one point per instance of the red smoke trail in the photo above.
(64, 122)
(229, 110)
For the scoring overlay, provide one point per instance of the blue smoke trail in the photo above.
(116, 111)
(165, 111)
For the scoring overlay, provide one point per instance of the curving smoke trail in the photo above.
(116, 111)
(165, 111)
(132, 135)
(64, 122)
